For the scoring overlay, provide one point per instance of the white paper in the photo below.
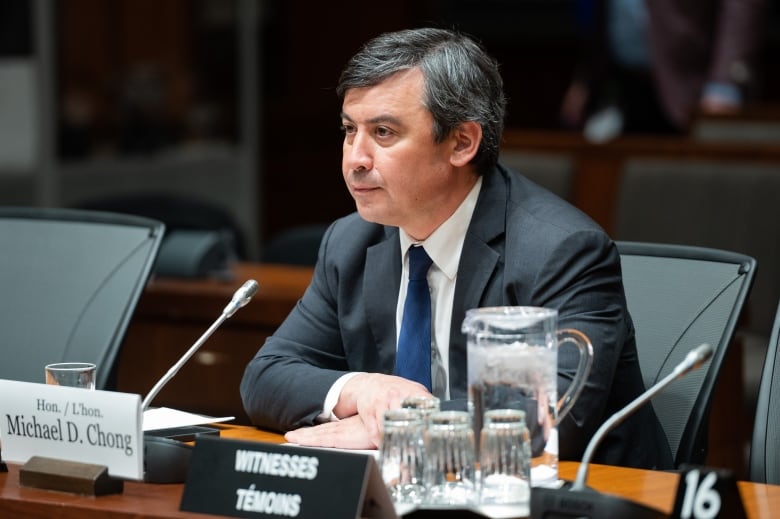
(164, 418)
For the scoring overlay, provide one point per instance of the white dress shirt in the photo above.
(444, 247)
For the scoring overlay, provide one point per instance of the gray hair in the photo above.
(462, 82)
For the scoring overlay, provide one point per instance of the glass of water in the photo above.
(72, 374)
(402, 455)
(450, 465)
(505, 460)
(425, 405)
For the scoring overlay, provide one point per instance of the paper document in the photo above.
(164, 418)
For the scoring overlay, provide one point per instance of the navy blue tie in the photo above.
(413, 359)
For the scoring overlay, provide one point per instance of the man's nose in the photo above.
(357, 154)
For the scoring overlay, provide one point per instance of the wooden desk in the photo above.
(173, 313)
(137, 501)
(145, 500)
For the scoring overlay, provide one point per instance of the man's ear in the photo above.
(467, 137)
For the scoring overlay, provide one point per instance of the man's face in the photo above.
(394, 169)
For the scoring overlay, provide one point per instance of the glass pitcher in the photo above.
(513, 364)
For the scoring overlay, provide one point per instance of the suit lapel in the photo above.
(381, 295)
(477, 269)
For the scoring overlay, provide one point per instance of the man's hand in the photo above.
(349, 433)
(361, 408)
(369, 395)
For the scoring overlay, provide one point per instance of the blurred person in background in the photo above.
(651, 66)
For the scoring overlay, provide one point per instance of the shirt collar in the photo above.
(446, 242)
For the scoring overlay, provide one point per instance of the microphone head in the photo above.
(241, 297)
(699, 355)
(247, 291)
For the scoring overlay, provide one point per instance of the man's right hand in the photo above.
(369, 395)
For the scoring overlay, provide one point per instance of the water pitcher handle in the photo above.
(581, 341)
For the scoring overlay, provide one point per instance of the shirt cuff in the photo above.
(332, 398)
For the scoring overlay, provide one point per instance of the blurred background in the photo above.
(232, 101)
(204, 111)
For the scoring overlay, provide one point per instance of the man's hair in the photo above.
(462, 82)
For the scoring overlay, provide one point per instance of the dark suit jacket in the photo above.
(524, 246)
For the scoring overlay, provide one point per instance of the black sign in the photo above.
(239, 478)
(705, 493)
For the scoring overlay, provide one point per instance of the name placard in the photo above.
(239, 478)
(98, 427)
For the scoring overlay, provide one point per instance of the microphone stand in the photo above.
(240, 298)
(581, 502)
(167, 460)
(176, 367)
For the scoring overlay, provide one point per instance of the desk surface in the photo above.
(144, 500)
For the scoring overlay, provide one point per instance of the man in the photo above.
(653, 66)
(422, 115)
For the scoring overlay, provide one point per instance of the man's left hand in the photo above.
(349, 433)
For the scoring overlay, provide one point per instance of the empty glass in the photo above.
(450, 465)
(425, 405)
(402, 456)
(71, 374)
(505, 460)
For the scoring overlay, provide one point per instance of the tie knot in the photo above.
(419, 263)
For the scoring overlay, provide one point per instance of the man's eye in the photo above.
(383, 132)
(347, 129)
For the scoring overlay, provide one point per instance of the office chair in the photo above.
(295, 246)
(201, 238)
(723, 204)
(679, 297)
(70, 280)
(765, 449)
(177, 212)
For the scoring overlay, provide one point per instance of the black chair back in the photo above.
(680, 297)
(70, 281)
(765, 448)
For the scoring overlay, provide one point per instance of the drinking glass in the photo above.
(450, 464)
(402, 455)
(424, 405)
(72, 374)
(504, 461)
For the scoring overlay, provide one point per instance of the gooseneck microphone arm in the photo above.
(240, 298)
(693, 360)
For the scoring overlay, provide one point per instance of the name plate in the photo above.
(238, 478)
(72, 424)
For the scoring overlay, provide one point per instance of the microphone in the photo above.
(167, 460)
(584, 503)
(240, 298)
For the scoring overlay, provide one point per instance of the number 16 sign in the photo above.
(707, 494)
